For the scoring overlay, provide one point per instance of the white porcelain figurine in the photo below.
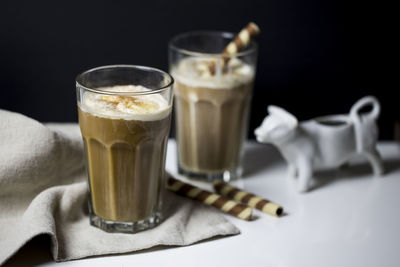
(323, 142)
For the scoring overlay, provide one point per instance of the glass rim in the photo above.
(105, 92)
(231, 35)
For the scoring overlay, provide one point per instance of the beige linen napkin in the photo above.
(43, 191)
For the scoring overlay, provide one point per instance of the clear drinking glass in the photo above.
(212, 101)
(124, 115)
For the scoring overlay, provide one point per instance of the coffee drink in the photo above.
(211, 114)
(125, 140)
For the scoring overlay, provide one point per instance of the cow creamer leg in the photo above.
(375, 160)
(304, 175)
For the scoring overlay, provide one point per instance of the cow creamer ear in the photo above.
(285, 117)
(274, 110)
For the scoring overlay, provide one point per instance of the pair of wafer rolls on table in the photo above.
(223, 200)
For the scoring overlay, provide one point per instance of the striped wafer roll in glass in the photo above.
(227, 205)
(242, 39)
(250, 199)
(236, 45)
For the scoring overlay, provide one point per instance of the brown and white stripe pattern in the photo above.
(242, 39)
(250, 199)
(236, 45)
(232, 207)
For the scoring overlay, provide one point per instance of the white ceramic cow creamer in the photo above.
(323, 142)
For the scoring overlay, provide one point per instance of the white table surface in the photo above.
(350, 219)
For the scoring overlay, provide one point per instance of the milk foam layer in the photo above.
(194, 72)
(141, 107)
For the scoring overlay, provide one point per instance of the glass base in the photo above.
(125, 227)
(226, 176)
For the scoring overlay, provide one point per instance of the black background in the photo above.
(315, 57)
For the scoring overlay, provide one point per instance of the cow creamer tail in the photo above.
(366, 131)
(365, 127)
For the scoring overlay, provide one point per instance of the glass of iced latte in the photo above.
(212, 101)
(124, 115)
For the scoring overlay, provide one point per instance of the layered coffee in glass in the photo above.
(212, 103)
(124, 115)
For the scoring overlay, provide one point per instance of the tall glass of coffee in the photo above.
(124, 115)
(212, 101)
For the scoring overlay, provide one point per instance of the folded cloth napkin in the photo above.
(43, 191)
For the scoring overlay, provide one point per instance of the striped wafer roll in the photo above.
(242, 39)
(250, 199)
(232, 207)
(237, 44)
